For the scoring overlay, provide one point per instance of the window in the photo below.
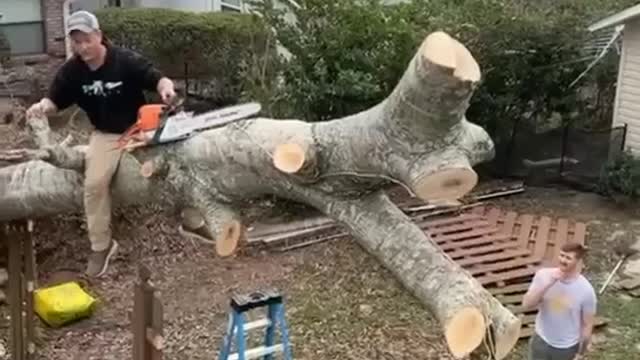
(228, 5)
(22, 25)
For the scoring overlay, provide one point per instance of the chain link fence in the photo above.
(565, 154)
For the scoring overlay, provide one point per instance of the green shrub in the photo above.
(5, 49)
(348, 55)
(215, 47)
(621, 177)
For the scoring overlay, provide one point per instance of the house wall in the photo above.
(627, 107)
(28, 75)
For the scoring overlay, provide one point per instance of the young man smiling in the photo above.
(566, 304)
(107, 82)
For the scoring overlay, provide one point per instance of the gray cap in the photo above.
(83, 21)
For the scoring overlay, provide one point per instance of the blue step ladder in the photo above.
(240, 305)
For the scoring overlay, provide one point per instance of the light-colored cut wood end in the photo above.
(465, 331)
(147, 168)
(441, 49)
(446, 185)
(289, 158)
(507, 340)
(229, 238)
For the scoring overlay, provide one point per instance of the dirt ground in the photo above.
(340, 302)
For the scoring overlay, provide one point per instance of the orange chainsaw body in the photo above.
(149, 116)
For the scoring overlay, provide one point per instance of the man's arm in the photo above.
(149, 77)
(537, 289)
(588, 320)
(60, 96)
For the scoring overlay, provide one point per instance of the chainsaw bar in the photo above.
(182, 125)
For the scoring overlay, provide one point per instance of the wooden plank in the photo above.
(510, 299)
(507, 226)
(562, 232)
(475, 224)
(525, 222)
(506, 276)
(493, 215)
(512, 264)
(540, 247)
(472, 233)
(264, 230)
(509, 289)
(448, 220)
(471, 242)
(503, 255)
(500, 245)
(478, 210)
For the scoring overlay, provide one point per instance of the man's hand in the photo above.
(166, 90)
(41, 109)
(555, 275)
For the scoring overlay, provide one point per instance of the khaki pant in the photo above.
(101, 163)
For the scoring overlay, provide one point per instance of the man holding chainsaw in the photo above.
(107, 82)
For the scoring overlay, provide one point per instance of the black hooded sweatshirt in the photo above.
(110, 95)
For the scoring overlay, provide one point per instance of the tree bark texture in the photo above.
(417, 137)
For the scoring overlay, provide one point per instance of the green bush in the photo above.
(5, 49)
(216, 47)
(621, 177)
(348, 55)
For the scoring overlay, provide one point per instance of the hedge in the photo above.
(348, 55)
(215, 46)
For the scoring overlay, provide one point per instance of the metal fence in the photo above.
(565, 154)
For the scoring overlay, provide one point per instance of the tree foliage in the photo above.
(347, 55)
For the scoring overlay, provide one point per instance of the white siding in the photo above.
(627, 108)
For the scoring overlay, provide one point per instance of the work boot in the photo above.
(99, 260)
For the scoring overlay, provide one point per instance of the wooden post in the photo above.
(18, 235)
(148, 340)
(31, 283)
(15, 289)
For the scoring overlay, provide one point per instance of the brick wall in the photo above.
(54, 27)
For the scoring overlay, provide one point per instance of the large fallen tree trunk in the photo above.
(418, 137)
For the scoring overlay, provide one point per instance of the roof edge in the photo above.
(616, 19)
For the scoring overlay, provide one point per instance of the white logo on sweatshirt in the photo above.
(98, 88)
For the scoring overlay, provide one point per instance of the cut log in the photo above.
(294, 158)
(418, 137)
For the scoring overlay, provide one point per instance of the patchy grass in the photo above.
(344, 305)
(620, 340)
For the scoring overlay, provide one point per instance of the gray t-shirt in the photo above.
(559, 318)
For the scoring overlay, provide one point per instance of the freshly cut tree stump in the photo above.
(417, 137)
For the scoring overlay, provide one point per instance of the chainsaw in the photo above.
(160, 123)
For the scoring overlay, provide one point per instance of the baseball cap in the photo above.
(83, 21)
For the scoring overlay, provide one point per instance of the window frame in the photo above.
(218, 5)
(43, 33)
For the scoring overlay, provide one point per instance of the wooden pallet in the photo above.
(503, 250)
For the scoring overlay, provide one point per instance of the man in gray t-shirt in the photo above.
(566, 304)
